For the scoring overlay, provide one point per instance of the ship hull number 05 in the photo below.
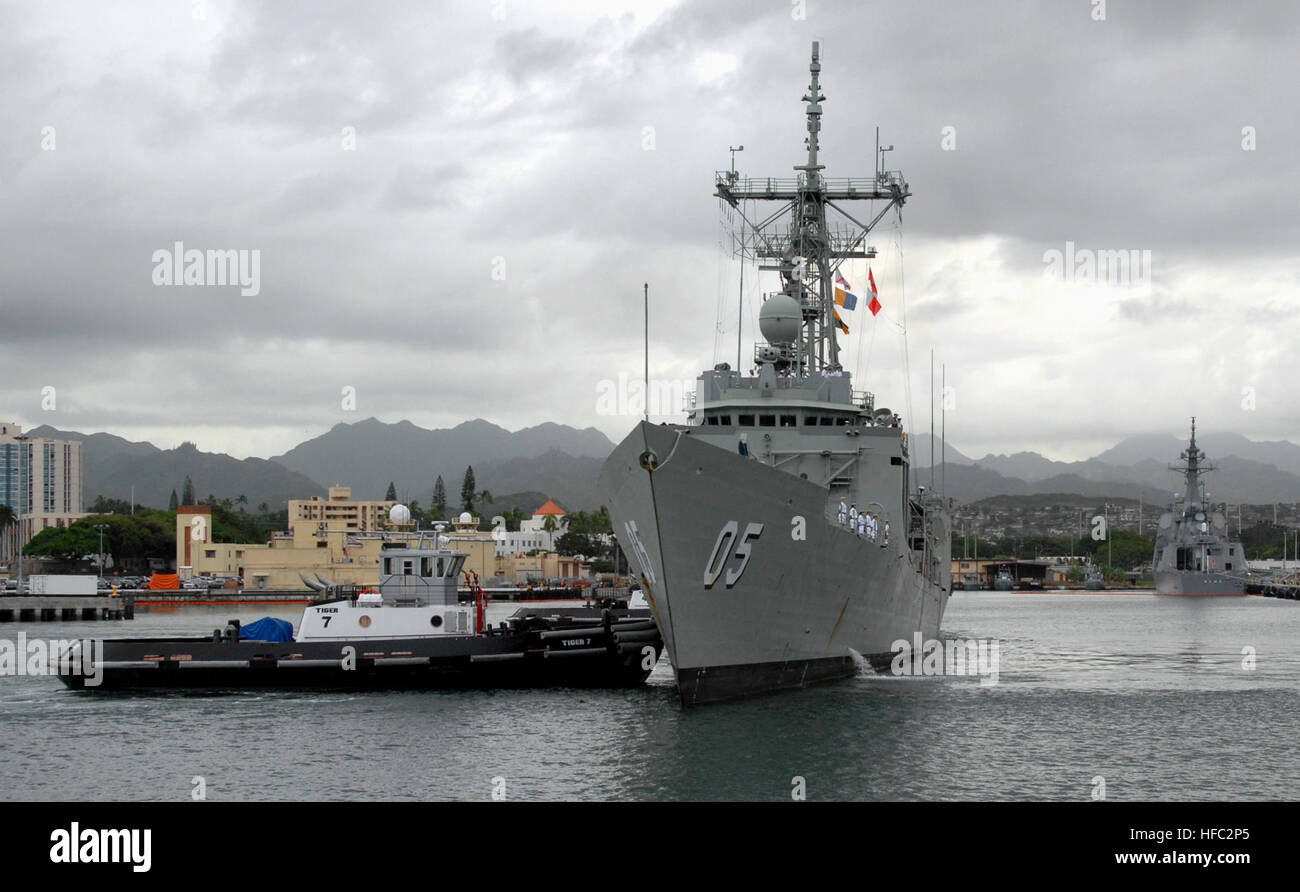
(723, 553)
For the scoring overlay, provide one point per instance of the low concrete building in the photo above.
(334, 539)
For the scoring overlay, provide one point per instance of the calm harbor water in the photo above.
(1146, 692)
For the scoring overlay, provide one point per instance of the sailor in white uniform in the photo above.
(843, 514)
(853, 516)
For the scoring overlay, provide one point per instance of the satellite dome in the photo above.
(466, 517)
(399, 514)
(779, 319)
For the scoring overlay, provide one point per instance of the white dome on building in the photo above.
(399, 514)
(466, 517)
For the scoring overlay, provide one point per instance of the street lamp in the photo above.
(101, 527)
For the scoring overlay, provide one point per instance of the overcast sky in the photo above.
(455, 205)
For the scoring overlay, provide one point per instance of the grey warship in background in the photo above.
(733, 518)
(1194, 553)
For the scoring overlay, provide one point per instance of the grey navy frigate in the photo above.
(1194, 553)
(733, 519)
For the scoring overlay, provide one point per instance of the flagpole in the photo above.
(740, 305)
(647, 352)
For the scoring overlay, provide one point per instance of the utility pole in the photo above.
(1110, 564)
(101, 527)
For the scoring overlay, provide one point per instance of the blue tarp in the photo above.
(268, 628)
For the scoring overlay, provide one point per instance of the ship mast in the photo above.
(1192, 469)
(805, 250)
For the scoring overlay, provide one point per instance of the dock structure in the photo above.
(51, 608)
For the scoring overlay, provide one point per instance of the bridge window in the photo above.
(746, 420)
(825, 421)
(767, 421)
(726, 420)
(713, 420)
(788, 420)
(841, 421)
(810, 419)
(388, 566)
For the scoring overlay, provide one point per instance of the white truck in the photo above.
(49, 584)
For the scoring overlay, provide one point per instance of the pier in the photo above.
(52, 608)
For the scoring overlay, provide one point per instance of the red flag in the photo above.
(875, 306)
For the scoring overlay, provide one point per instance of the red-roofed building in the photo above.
(549, 508)
(532, 534)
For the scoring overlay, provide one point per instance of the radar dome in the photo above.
(779, 319)
(466, 517)
(399, 514)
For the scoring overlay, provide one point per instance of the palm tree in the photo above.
(485, 497)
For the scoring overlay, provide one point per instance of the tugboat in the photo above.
(737, 521)
(1004, 581)
(1093, 581)
(1194, 554)
(409, 632)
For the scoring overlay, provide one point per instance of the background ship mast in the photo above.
(1192, 469)
(805, 250)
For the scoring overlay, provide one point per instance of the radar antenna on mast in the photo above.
(797, 240)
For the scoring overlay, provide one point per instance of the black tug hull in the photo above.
(617, 649)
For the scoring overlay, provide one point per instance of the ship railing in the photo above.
(883, 185)
(866, 399)
(842, 241)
